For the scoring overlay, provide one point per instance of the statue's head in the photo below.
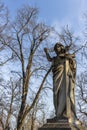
(59, 48)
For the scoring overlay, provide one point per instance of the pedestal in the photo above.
(60, 125)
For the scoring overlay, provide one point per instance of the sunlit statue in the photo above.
(64, 75)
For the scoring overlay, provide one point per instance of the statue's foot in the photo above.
(53, 119)
(56, 118)
(62, 118)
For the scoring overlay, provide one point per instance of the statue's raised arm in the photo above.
(49, 58)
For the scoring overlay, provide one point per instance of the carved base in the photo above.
(62, 124)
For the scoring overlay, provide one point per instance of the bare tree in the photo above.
(82, 81)
(9, 102)
(4, 28)
(4, 21)
(24, 41)
(37, 116)
(82, 97)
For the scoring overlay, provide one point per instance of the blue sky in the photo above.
(55, 12)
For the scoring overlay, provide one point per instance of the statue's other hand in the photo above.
(46, 50)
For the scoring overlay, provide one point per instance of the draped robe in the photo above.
(64, 70)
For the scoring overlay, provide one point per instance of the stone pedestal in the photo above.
(60, 125)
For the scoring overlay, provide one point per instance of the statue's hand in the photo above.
(46, 50)
(47, 55)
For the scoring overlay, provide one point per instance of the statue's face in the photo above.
(58, 48)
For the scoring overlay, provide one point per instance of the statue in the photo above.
(64, 74)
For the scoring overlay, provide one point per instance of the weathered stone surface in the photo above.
(60, 125)
(55, 126)
(64, 76)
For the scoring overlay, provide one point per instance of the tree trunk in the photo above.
(32, 124)
(20, 124)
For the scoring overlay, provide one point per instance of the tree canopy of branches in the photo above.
(82, 97)
(23, 41)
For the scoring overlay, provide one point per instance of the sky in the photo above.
(56, 13)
